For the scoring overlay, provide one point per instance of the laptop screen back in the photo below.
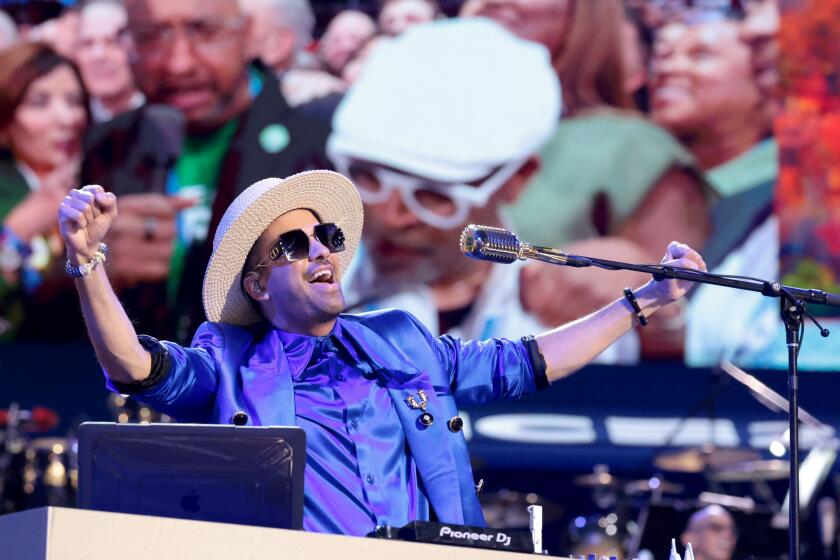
(230, 474)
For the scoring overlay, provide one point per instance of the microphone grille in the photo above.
(467, 241)
(489, 243)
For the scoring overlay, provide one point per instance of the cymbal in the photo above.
(597, 480)
(39, 419)
(698, 459)
(752, 471)
(654, 484)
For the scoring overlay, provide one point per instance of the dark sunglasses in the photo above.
(294, 244)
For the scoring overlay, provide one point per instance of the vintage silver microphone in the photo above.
(499, 245)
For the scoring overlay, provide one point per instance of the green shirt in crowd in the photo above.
(196, 174)
(597, 167)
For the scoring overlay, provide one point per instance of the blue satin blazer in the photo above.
(227, 369)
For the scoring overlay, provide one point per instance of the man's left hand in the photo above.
(670, 290)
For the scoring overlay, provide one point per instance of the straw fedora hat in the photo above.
(331, 196)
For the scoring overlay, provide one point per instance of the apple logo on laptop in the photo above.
(189, 502)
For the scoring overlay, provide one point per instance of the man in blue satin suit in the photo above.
(376, 394)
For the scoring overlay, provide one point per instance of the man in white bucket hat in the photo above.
(442, 130)
(376, 394)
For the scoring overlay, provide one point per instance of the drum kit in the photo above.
(624, 523)
(738, 479)
(34, 471)
(38, 469)
(614, 523)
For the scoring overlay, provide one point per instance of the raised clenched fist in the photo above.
(84, 217)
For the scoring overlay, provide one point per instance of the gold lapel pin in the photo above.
(425, 418)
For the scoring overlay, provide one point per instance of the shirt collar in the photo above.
(101, 113)
(299, 348)
(368, 350)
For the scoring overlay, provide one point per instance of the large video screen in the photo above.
(603, 129)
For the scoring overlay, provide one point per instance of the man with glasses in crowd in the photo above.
(213, 124)
(442, 130)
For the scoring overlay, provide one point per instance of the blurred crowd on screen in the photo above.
(605, 128)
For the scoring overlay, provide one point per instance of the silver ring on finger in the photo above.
(149, 228)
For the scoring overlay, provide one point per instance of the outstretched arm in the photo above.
(572, 346)
(85, 216)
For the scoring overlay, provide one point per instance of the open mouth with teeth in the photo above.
(324, 276)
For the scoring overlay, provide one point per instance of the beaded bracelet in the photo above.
(631, 299)
(84, 269)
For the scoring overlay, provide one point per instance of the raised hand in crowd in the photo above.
(142, 238)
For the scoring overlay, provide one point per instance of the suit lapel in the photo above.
(267, 382)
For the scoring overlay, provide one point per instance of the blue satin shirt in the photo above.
(358, 474)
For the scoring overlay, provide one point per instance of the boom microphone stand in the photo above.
(793, 312)
(494, 244)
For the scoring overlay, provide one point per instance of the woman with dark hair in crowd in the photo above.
(612, 184)
(43, 115)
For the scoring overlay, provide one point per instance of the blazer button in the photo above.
(427, 419)
(455, 424)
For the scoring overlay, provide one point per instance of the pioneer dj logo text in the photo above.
(498, 538)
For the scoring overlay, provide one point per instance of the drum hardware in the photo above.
(752, 471)
(508, 509)
(599, 479)
(654, 485)
(601, 535)
(739, 503)
(605, 487)
(703, 459)
(39, 419)
(34, 472)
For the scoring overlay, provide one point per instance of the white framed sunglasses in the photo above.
(439, 204)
